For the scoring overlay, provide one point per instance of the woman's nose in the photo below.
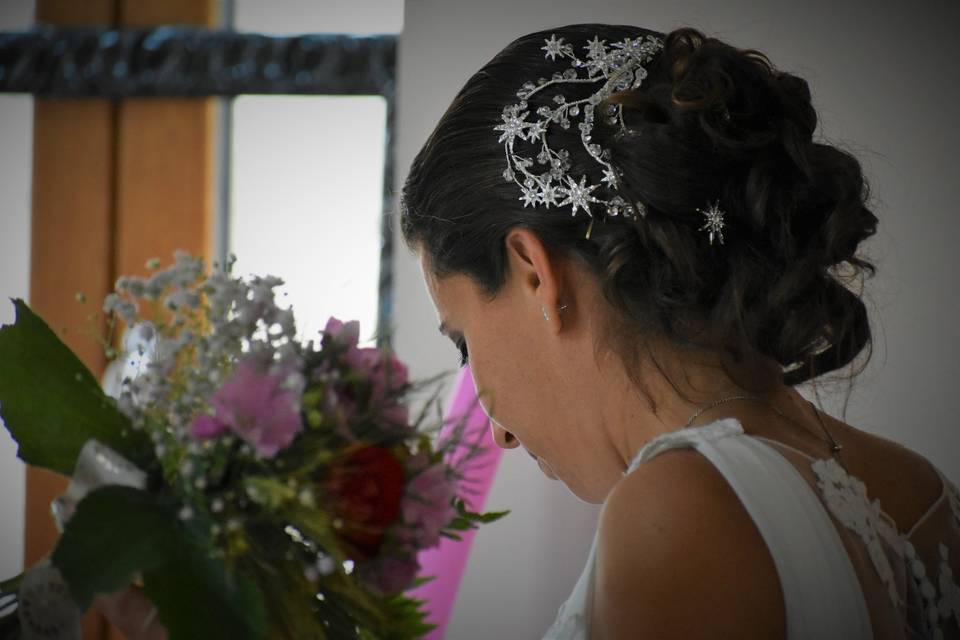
(503, 438)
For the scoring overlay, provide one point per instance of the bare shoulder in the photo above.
(905, 482)
(678, 556)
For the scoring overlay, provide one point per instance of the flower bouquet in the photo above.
(256, 486)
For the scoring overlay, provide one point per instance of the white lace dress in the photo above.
(829, 549)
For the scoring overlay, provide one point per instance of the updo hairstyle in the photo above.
(709, 122)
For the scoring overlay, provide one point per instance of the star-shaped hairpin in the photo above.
(714, 224)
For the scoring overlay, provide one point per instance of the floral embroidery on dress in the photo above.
(846, 497)
(949, 603)
(928, 606)
(928, 612)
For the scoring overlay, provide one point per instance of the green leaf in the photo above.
(197, 598)
(11, 585)
(421, 580)
(50, 401)
(406, 618)
(491, 516)
(115, 533)
(459, 524)
(473, 516)
(118, 532)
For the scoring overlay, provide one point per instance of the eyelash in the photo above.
(464, 356)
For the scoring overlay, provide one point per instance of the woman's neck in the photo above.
(630, 417)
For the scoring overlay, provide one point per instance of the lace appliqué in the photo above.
(928, 613)
(949, 603)
(846, 497)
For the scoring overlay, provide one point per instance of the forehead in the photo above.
(446, 291)
(428, 275)
(436, 287)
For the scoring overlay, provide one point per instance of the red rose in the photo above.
(365, 493)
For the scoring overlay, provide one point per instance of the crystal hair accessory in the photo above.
(619, 67)
(714, 223)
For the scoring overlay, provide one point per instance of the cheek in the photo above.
(502, 374)
(485, 381)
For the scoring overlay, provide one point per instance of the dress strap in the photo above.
(685, 437)
(777, 443)
(815, 571)
(944, 495)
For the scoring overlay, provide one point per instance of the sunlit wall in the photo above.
(306, 174)
(306, 201)
(16, 153)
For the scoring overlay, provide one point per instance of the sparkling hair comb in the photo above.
(619, 67)
(714, 221)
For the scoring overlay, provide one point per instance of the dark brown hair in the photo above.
(710, 121)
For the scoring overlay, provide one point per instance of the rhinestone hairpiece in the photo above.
(714, 221)
(619, 67)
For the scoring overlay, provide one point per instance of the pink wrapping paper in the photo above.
(448, 560)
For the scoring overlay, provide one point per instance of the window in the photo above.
(306, 200)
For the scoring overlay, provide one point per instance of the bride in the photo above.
(635, 241)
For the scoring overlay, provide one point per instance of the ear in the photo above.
(536, 274)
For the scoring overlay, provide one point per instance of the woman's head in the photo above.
(708, 123)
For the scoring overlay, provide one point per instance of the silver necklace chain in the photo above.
(834, 446)
(714, 404)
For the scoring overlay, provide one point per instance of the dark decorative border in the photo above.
(169, 61)
(189, 61)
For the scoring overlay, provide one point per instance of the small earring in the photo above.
(562, 308)
(545, 316)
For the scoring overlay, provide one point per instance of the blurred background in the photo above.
(303, 185)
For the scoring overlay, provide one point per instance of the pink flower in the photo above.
(256, 407)
(387, 374)
(205, 427)
(346, 333)
(390, 575)
(427, 506)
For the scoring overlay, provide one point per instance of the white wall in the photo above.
(300, 167)
(884, 80)
(297, 163)
(281, 17)
(16, 153)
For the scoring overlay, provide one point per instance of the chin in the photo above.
(585, 496)
(545, 468)
(579, 492)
